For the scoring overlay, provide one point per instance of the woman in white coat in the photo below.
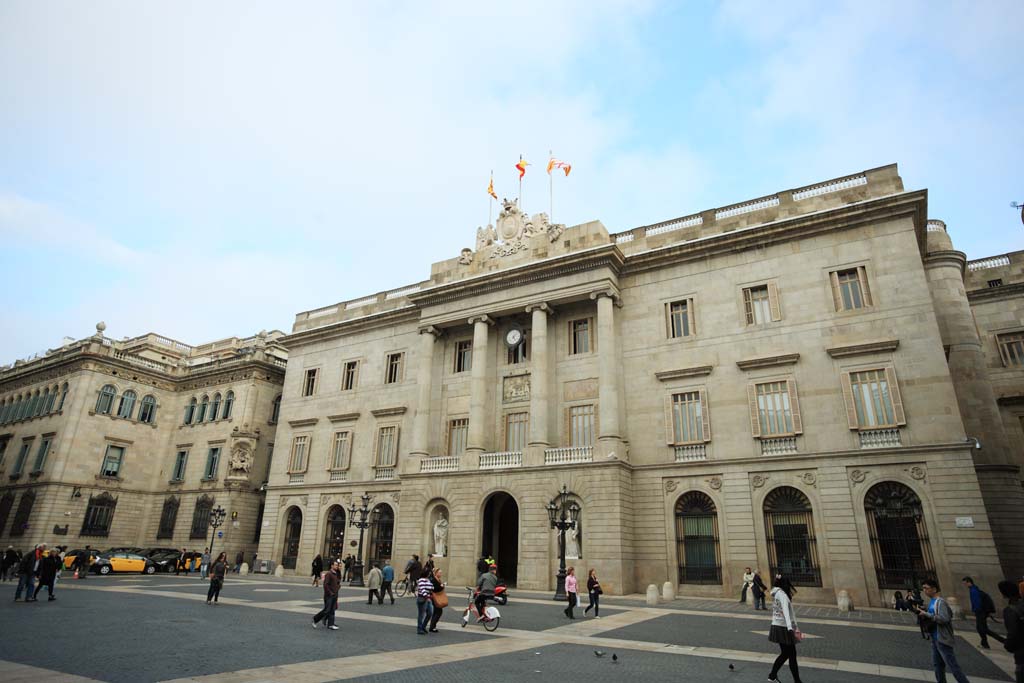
(784, 630)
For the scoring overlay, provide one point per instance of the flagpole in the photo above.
(520, 186)
(551, 190)
(490, 201)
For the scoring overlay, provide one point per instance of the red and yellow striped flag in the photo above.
(521, 166)
(554, 163)
(490, 188)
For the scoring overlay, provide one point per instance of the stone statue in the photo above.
(572, 542)
(485, 237)
(441, 536)
(466, 256)
(241, 459)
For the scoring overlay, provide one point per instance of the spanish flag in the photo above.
(521, 166)
(554, 163)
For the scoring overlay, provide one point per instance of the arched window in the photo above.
(127, 405)
(229, 403)
(201, 414)
(168, 517)
(214, 407)
(275, 411)
(190, 411)
(697, 539)
(105, 402)
(334, 538)
(201, 517)
(6, 503)
(789, 529)
(147, 409)
(51, 396)
(292, 537)
(382, 532)
(5, 407)
(899, 538)
(99, 515)
(37, 404)
(24, 511)
(63, 397)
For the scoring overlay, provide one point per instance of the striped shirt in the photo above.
(424, 587)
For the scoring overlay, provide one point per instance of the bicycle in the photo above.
(402, 587)
(491, 617)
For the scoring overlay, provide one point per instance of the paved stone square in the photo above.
(159, 628)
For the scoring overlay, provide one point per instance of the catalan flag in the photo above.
(490, 188)
(521, 166)
(554, 163)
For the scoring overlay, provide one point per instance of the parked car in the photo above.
(123, 562)
(165, 560)
(128, 549)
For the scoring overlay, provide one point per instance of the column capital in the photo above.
(542, 306)
(436, 332)
(482, 319)
(610, 293)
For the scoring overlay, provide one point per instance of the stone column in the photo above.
(424, 379)
(251, 399)
(608, 382)
(539, 380)
(478, 386)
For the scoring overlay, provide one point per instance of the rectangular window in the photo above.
(309, 383)
(998, 282)
(850, 289)
(680, 318)
(463, 355)
(581, 425)
(348, 375)
(516, 431)
(387, 446)
(112, 461)
(458, 433)
(757, 304)
(689, 420)
(4, 440)
(1011, 348)
(871, 399)
(212, 462)
(19, 462)
(774, 409)
(300, 445)
(341, 450)
(393, 368)
(579, 336)
(180, 460)
(44, 449)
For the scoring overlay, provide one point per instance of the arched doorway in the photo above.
(789, 529)
(501, 534)
(334, 536)
(382, 533)
(899, 538)
(292, 534)
(697, 539)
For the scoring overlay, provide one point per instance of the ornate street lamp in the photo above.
(562, 514)
(217, 515)
(362, 523)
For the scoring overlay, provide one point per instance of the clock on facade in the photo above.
(514, 337)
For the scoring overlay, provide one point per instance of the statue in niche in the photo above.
(573, 546)
(441, 534)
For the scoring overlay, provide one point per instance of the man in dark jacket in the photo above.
(239, 559)
(1013, 619)
(49, 565)
(759, 591)
(983, 608)
(332, 583)
(8, 564)
(26, 576)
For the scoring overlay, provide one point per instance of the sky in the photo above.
(203, 170)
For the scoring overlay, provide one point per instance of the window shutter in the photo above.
(447, 437)
(894, 393)
(705, 415)
(597, 424)
(755, 423)
(794, 402)
(566, 428)
(773, 301)
(748, 306)
(848, 399)
(376, 445)
(668, 320)
(670, 432)
(837, 297)
(394, 446)
(862, 275)
(691, 316)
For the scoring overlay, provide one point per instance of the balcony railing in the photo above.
(879, 438)
(569, 455)
(447, 463)
(339, 475)
(383, 473)
(500, 461)
(691, 453)
(781, 446)
(296, 478)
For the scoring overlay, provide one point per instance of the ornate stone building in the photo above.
(131, 443)
(794, 383)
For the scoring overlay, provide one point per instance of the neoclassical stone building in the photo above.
(131, 443)
(794, 382)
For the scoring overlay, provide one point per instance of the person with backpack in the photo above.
(938, 621)
(983, 608)
(1013, 619)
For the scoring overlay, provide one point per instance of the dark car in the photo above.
(165, 559)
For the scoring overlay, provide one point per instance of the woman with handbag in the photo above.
(594, 593)
(784, 629)
(439, 598)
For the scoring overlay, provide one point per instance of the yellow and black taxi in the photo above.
(72, 555)
(121, 562)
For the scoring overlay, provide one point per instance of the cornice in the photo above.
(696, 371)
(388, 412)
(344, 417)
(768, 361)
(305, 422)
(1000, 293)
(344, 327)
(887, 346)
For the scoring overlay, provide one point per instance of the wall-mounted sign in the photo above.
(965, 522)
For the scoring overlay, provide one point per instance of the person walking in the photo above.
(239, 559)
(318, 569)
(571, 589)
(938, 619)
(424, 604)
(593, 594)
(83, 560)
(388, 577)
(332, 584)
(439, 599)
(759, 589)
(26, 577)
(9, 563)
(374, 580)
(180, 565)
(204, 567)
(49, 566)
(1013, 620)
(983, 607)
(748, 583)
(784, 630)
(216, 574)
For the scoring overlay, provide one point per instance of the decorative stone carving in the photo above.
(714, 482)
(511, 221)
(759, 480)
(466, 256)
(858, 476)
(917, 472)
(515, 388)
(670, 486)
(441, 532)
(485, 237)
(810, 479)
(241, 459)
(396, 496)
(511, 233)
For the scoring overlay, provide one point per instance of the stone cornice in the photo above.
(768, 361)
(345, 327)
(344, 417)
(887, 346)
(1008, 291)
(387, 412)
(305, 422)
(696, 371)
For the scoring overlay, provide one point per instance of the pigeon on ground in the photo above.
(615, 657)
(732, 668)
(599, 653)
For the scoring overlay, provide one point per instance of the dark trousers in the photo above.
(743, 593)
(330, 605)
(49, 588)
(981, 624)
(573, 601)
(942, 659)
(788, 652)
(375, 592)
(214, 592)
(759, 602)
(385, 587)
(424, 609)
(26, 583)
(595, 600)
(1018, 661)
(82, 568)
(438, 611)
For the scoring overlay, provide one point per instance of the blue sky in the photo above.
(203, 170)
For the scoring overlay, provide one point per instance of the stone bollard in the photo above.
(954, 605)
(668, 591)
(843, 601)
(244, 569)
(279, 571)
(652, 595)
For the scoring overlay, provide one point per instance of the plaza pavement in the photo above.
(158, 628)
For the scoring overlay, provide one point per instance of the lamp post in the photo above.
(362, 523)
(562, 514)
(216, 519)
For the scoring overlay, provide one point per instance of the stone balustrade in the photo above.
(296, 478)
(500, 461)
(446, 463)
(830, 186)
(384, 474)
(691, 452)
(880, 438)
(568, 455)
(994, 262)
(339, 475)
(784, 445)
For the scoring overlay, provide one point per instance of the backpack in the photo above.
(987, 606)
(1014, 612)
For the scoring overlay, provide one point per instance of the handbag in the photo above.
(798, 635)
(439, 598)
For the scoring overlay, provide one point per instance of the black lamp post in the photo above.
(217, 515)
(362, 524)
(562, 513)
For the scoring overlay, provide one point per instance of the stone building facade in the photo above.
(793, 383)
(131, 443)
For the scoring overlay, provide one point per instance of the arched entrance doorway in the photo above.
(899, 537)
(334, 536)
(382, 532)
(292, 534)
(501, 534)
